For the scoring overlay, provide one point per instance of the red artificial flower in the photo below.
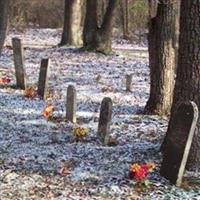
(141, 174)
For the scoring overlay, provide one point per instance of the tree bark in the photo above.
(98, 38)
(72, 23)
(187, 85)
(104, 34)
(101, 8)
(125, 18)
(90, 26)
(4, 14)
(163, 44)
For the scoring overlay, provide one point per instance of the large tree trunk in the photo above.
(104, 34)
(4, 14)
(187, 85)
(125, 18)
(163, 42)
(98, 38)
(72, 23)
(90, 26)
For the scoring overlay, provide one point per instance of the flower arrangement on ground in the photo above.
(80, 132)
(4, 80)
(48, 111)
(139, 173)
(30, 92)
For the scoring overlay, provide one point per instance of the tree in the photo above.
(101, 8)
(4, 13)
(163, 45)
(187, 85)
(125, 18)
(94, 37)
(72, 31)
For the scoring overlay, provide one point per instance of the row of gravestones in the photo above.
(18, 52)
(177, 143)
(106, 106)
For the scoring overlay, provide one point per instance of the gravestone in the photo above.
(178, 142)
(71, 104)
(105, 120)
(129, 82)
(18, 54)
(43, 78)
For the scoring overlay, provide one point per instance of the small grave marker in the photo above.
(18, 54)
(105, 120)
(43, 78)
(178, 142)
(71, 104)
(129, 82)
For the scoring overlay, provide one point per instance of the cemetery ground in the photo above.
(41, 159)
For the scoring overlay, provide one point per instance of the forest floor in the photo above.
(41, 159)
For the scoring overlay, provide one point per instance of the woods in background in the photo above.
(4, 13)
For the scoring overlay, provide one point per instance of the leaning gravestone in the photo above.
(43, 78)
(105, 120)
(18, 53)
(178, 142)
(71, 104)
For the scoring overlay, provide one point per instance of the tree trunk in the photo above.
(125, 18)
(4, 14)
(90, 26)
(98, 38)
(72, 23)
(187, 85)
(163, 41)
(104, 34)
(101, 8)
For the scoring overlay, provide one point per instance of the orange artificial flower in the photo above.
(151, 166)
(135, 167)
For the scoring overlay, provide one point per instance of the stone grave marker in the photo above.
(18, 54)
(43, 78)
(71, 104)
(178, 142)
(129, 82)
(105, 120)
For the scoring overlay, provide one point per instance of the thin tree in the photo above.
(95, 37)
(163, 45)
(4, 13)
(187, 85)
(72, 30)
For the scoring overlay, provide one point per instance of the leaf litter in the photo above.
(41, 159)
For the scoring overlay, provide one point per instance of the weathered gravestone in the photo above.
(43, 78)
(105, 120)
(71, 104)
(18, 53)
(129, 82)
(178, 142)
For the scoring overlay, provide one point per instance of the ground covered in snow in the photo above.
(33, 150)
